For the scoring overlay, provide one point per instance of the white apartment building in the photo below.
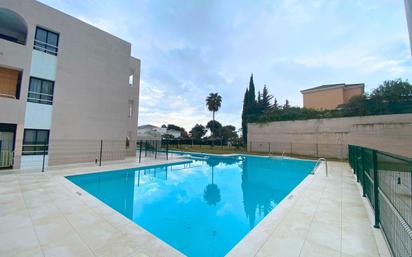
(64, 85)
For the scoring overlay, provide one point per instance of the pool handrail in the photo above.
(317, 164)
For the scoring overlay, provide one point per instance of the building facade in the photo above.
(64, 85)
(327, 97)
(408, 9)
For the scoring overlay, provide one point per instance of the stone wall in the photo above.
(330, 137)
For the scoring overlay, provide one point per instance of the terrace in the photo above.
(43, 214)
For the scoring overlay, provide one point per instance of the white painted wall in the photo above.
(38, 116)
(43, 65)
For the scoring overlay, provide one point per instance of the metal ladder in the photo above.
(317, 164)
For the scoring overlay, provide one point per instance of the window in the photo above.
(131, 79)
(35, 141)
(46, 41)
(13, 27)
(40, 91)
(131, 103)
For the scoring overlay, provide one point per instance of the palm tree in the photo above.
(213, 103)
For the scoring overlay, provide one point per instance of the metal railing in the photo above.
(337, 151)
(97, 152)
(318, 162)
(41, 98)
(45, 47)
(217, 145)
(386, 182)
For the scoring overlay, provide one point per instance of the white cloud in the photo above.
(189, 50)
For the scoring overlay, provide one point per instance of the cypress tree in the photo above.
(249, 106)
(244, 115)
(252, 95)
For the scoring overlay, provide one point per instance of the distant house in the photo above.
(174, 133)
(151, 132)
(327, 97)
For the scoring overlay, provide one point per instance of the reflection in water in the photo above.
(202, 207)
(212, 191)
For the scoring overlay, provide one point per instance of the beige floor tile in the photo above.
(359, 245)
(281, 247)
(20, 242)
(325, 235)
(49, 229)
(17, 219)
(69, 246)
(312, 249)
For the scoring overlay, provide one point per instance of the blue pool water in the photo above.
(202, 207)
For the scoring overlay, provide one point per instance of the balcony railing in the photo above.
(41, 98)
(45, 47)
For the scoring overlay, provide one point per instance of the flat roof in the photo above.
(331, 86)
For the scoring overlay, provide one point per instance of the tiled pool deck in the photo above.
(46, 215)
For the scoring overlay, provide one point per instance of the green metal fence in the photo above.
(386, 182)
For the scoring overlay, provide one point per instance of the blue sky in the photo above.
(191, 48)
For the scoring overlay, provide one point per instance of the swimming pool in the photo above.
(204, 206)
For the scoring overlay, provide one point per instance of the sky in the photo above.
(189, 49)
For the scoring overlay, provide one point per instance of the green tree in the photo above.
(249, 107)
(393, 91)
(215, 128)
(198, 131)
(245, 115)
(252, 94)
(213, 103)
(265, 100)
(287, 105)
(275, 105)
(183, 133)
(228, 133)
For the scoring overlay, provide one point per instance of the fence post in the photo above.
(363, 172)
(44, 157)
(101, 150)
(140, 151)
(155, 149)
(357, 164)
(269, 147)
(221, 143)
(317, 150)
(376, 189)
(167, 150)
(145, 148)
